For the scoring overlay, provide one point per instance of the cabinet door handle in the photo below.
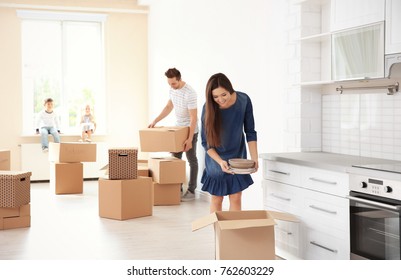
(322, 181)
(322, 209)
(286, 232)
(279, 172)
(323, 247)
(280, 197)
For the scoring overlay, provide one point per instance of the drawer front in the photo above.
(281, 196)
(323, 246)
(287, 238)
(281, 172)
(323, 210)
(331, 182)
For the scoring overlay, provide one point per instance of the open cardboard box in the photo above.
(244, 235)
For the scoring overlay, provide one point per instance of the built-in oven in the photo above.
(375, 218)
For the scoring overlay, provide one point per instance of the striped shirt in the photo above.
(184, 99)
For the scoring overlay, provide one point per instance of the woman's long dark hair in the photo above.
(213, 124)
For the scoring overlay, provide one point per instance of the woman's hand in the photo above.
(225, 167)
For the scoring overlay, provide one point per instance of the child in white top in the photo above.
(47, 123)
(88, 125)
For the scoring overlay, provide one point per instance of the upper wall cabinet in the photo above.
(349, 14)
(393, 24)
(358, 53)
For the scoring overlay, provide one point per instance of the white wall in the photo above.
(245, 39)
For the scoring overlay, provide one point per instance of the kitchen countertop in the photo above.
(334, 162)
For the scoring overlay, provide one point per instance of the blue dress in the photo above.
(238, 127)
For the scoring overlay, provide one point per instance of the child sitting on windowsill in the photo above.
(47, 123)
(88, 125)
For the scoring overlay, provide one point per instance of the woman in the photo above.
(226, 116)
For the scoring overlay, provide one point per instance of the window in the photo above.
(62, 58)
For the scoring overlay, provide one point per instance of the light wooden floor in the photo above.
(67, 227)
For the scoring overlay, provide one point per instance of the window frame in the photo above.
(72, 17)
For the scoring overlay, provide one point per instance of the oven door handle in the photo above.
(374, 203)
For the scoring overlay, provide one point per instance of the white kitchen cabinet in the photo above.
(326, 226)
(284, 198)
(318, 198)
(347, 14)
(393, 23)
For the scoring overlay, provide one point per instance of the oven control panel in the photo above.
(375, 186)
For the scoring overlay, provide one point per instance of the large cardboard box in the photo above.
(123, 163)
(167, 170)
(5, 163)
(166, 194)
(16, 217)
(67, 178)
(125, 199)
(163, 139)
(243, 235)
(15, 188)
(72, 152)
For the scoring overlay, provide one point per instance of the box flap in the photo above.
(106, 167)
(283, 216)
(204, 221)
(251, 223)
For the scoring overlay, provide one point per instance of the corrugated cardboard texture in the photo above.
(72, 152)
(163, 139)
(15, 188)
(5, 162)
(123, 163)
(167, 194)
(246, 244)
(243, 235)
(168, 170)
(125, 199)
(67, 178)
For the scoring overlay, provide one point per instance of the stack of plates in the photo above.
(241, 165)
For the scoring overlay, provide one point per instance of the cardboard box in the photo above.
(166, 194)
(15, 188)
(167, 170)
(143, 168)
(244, 235)
(123, 163)
(67, 178)
(16, 217)
(125, 199)
(72, 152)
(163, 139)
(5, 162)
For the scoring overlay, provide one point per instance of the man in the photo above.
(183, 100)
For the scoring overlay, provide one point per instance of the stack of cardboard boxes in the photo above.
(66, 167)
(125, 195)
(15, 195)
(168, 173)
